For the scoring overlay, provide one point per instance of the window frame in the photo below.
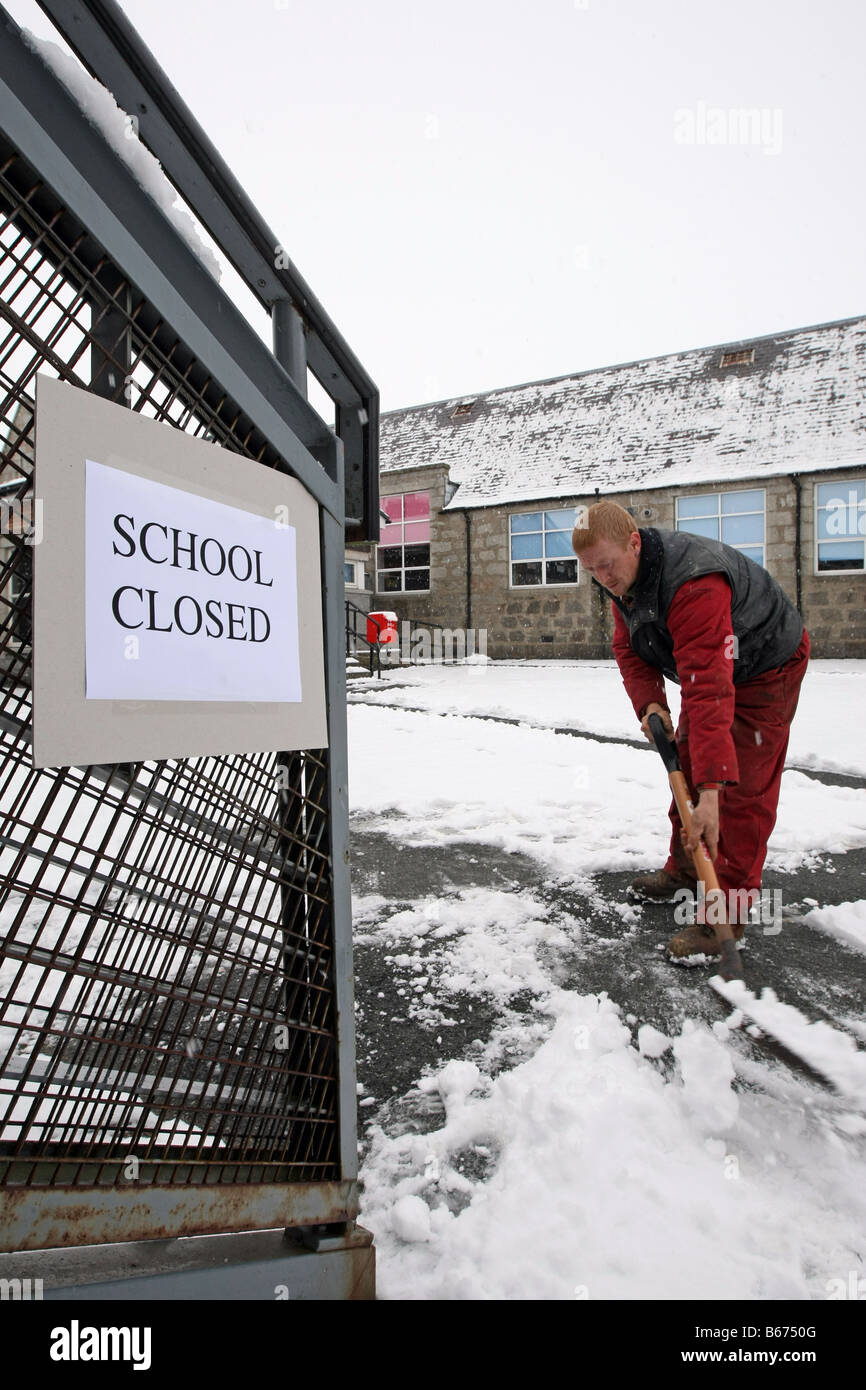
(354, 585)
(720, 516)
(543, 584)
(401, 569)
(824, 540)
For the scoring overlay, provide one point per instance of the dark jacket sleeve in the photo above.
(644, 684)
(699, 621)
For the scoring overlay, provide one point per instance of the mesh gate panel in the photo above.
(166, 952)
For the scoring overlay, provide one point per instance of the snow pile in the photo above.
(651, 1042)
(707, 1072)
(493, 941)
(454, 1084)
(823, 1047)
(477, 943)
(410, 1219)
(121, 133)
(846, 922)
(366, 910)
(587, 1172)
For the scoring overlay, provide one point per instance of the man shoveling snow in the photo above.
(705, 615)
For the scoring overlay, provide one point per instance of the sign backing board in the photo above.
(177, 593)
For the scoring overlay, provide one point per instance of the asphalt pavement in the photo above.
(616, 950)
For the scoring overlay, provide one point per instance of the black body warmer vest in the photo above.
(766, 624)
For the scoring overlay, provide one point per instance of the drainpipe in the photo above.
(468, 518)
(798, 514)
(599, 603)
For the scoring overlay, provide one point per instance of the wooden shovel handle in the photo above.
(700, 856)
(731, 966)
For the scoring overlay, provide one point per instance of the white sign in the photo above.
(177, 593)
(186, 598)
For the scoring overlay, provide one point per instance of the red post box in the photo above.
(382, 628)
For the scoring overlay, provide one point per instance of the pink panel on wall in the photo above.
(391, 505)
(416, 505)
(417, 531)
(391, 535)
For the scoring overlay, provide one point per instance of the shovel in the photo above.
(819, 1048)
(731, 966)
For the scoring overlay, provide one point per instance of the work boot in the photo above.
(660, 886)
(698, 940)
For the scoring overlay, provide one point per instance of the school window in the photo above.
(840, 525)
(540, 547)
(354, 572)
(403, 552)
(736, 518)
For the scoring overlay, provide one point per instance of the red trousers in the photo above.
(763, 713)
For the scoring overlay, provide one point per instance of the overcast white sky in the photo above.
(487, 192)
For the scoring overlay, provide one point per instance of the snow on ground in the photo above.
(574, 1153)
(600, 1174)
(577, 805)
(830, 1052)
(589, 696)
(845, 921)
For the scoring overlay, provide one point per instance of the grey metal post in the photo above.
(334, 598)
(288, 340)
(288, 345)
(290, 348)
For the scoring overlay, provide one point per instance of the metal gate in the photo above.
(170, 1057)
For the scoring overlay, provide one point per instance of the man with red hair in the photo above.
(701, 613)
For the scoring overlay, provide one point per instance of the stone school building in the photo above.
(760, 444)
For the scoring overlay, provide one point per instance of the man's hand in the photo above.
(705, 824)
(665, 717)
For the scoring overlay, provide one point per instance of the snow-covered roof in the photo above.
(663, 422)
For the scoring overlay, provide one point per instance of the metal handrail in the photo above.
(416, 624)
(353, 612)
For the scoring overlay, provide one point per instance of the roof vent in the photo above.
(744, 358)
(465, 408)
